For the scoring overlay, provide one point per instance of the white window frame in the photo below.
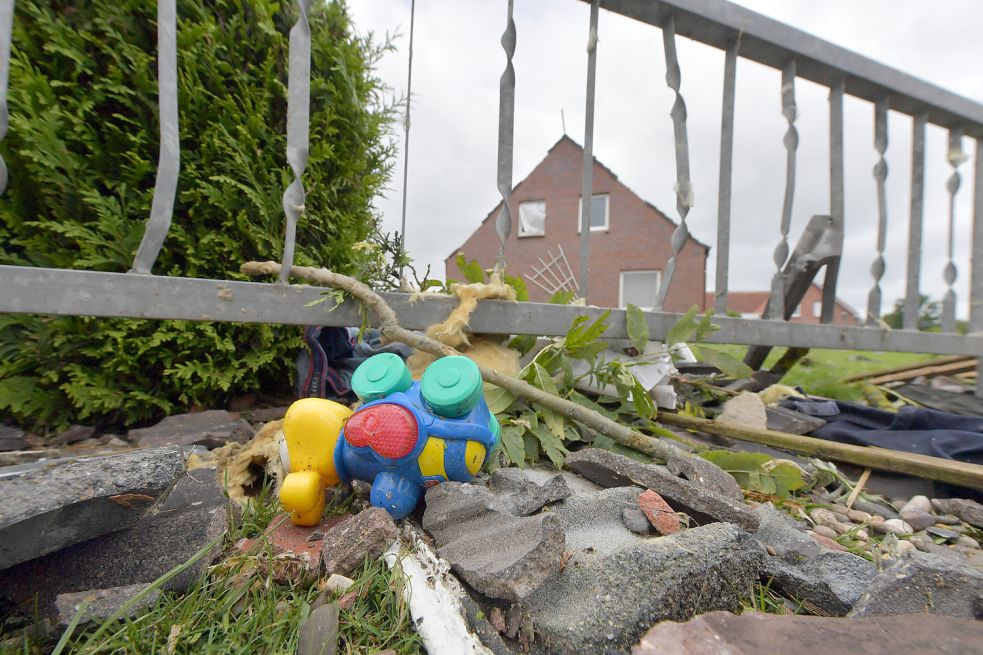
(607, 212)
(797, 312)
(817, 308)
(621, 286)
(524, 234)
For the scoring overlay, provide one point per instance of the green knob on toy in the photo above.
(451, 386)
(379, 376)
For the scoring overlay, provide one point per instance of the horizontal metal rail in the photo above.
(774, 44)
(90, 293)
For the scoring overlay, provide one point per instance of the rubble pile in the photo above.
(609, 555)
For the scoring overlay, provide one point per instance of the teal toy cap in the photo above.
(379, 376)
(451, 386)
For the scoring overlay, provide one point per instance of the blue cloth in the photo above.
(911, 429)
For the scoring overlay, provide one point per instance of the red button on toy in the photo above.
(389, 430)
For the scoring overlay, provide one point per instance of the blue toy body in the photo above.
(402, 446)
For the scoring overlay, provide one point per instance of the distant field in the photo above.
(821, 371)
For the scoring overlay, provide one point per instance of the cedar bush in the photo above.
(82, 153)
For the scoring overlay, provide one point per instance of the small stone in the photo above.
(968, 542)
(862, 535)
(917, 504)
(904, 547)
(101, 603)
(945, 533)
(367, 534)
(948, 519)
(877, 518)
(347, 600)
(827, 542)
(841, 517)
(771, 551)
(337, 583)
(659, 513)
(823, 517)
(839, 509)
(73, 434)
(917, 519)
(875, 508)
(636, 521)
(857, 516)
(892, 526)
(12, 438)
(825, 531)
(745, 409)
(921, 542)
(969, 511)
(842, 528)
(319, 633)
(212, 428)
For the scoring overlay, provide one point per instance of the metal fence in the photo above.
(736, 31)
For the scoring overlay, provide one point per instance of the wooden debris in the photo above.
(922, 466)
(943, 366)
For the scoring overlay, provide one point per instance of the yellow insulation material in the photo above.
(243, 466)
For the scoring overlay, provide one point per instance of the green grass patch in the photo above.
(239, 607)
(821, 372)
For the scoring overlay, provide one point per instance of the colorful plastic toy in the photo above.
(407, 436)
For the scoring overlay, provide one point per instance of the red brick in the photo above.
(659, 514)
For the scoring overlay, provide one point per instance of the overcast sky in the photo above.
(453, 138)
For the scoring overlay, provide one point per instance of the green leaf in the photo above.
(513, 444)
(517, 283)
(561, 298)
(539, 377)
(727, 363)
(498, 400)
(684, 328)
(705, 328)
(787, 476)
(471, 269)
(607, 443)
(638, 327)
(552, 446)
(523, 343)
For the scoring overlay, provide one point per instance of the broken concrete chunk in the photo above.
(605, 598)
(318, 634)
(920, 583)
(967, 510)
(49, 507)
(101, 604)
(706, 473)
(141, 553)
(782, 419)
(12, 438)
(499, 554)
(366, 535)
(212, 428)
(517, 494)
(828, 579)
(745, 409)
(753, 633)
(704, 505)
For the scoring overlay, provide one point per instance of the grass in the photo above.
(239, 608)
(762, 598)
(821, 372)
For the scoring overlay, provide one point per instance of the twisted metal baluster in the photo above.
(836, 195)
(169, 159)
(880, 175)
(6, 30)
(955, 156)
(587, 188)
(298, 129)
(776, 304)
(406, 136)
(724, 187)
(506, 124)
(913, 301)
(684, 188)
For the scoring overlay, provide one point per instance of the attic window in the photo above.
(532, 218)
(598, 214)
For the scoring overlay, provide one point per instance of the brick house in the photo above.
(629, 236)
(751, 304)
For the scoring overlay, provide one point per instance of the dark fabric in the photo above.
(912, 429)
(325, 367)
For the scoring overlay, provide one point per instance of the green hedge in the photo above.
(82, 152)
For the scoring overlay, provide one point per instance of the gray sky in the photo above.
(453, 139)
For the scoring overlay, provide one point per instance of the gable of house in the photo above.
(630, 240)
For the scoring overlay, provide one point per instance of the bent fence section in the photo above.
(734, 30)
